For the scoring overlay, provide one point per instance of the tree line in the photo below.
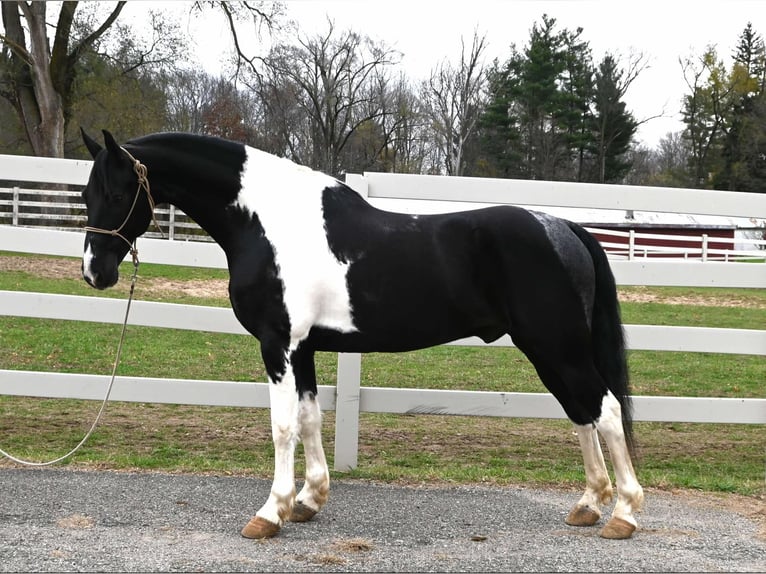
(339, 102)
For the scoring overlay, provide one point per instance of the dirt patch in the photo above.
(46, 268)
(203, 288)
(68, 268)
(76, 522)
(647, 295)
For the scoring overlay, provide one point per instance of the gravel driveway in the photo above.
(60, 520)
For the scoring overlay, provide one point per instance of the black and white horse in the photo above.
(314, 267)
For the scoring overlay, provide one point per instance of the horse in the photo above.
(314, 267)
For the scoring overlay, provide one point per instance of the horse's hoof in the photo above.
(260, 528)
(302, 513)
(617, 529)
(582, 516)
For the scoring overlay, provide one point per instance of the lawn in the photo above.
(728, 458)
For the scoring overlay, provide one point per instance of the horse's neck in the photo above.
(196, 184)
(207, 185)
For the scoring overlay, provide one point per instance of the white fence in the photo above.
(52, 208)
(64, 209)
(348, 398)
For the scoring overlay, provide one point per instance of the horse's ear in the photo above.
(111, 144)
(90, 143)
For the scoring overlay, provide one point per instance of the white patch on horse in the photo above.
(87, 258)
(287, 198)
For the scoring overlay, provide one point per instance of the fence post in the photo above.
(347, 410)
(15, 206)
(631, 244)
(358, 183)
(172, 223)
(704, 246)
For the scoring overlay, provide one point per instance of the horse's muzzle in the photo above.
(100, 280)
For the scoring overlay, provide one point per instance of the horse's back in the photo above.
(420, 280)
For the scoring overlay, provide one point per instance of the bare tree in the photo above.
(258, 14)
(704, 111)
(409, 136)
(454, 97)
(321, 91)
(37, 78)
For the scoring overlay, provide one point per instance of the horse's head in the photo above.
(116, 213)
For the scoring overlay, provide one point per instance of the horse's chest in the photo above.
(312, 280)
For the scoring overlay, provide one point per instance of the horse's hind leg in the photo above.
(598, 486)
(630, 495)
(579, 388)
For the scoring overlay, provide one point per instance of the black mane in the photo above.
(193, 160)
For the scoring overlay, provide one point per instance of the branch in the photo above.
(88, 41)
(63, 31)
(17, 49)
(14, 32)
(241, 57)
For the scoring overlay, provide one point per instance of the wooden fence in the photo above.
(348, 398)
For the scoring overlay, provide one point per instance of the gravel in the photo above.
(58, 520)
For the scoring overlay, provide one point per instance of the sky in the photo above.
(428, 31)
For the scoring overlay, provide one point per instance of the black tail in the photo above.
(607, 332)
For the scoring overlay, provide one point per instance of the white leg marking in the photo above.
(630, 495)
(285, 431)
(598, 486)
(317, 486)
(87, 258)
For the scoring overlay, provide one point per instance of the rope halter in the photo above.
(143, 184)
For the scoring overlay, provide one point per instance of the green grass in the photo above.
(177, 438)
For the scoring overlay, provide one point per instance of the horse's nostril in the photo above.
(89, 275)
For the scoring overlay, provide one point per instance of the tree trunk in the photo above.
(38, 101)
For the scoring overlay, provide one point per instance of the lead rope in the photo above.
(134, 253)
(143, 183)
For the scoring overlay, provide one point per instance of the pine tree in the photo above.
(744, 144)
(534, 125)
(613, 125)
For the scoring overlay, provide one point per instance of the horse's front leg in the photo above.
(295, 415)
(316, 488)
(285, 430)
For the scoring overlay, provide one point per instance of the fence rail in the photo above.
(348, 398)
(638, 246)
(63, 210)
(29, 207)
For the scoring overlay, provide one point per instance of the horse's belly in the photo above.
(410, 323)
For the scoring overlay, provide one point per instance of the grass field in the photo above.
(721, 458)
